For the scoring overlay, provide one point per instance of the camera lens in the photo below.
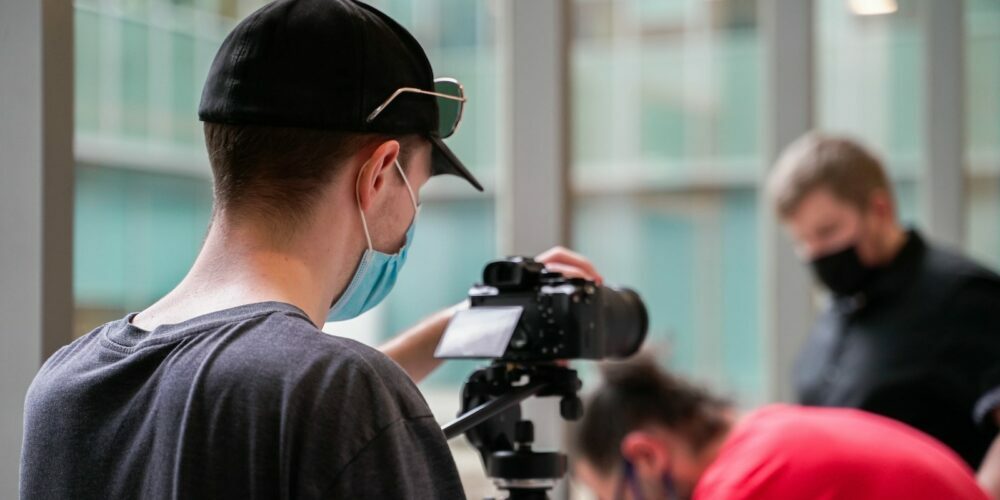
(625, 322)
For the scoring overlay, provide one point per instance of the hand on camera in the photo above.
(569, 263)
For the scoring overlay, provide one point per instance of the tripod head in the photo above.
(491, 420)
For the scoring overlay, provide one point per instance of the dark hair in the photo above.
(849, 170)
(277, 173)
(638, 393)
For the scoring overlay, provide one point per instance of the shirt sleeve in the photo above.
(407, 459)
(353, 425)
(985, 406)
(976, 312)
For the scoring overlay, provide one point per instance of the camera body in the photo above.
(560, 317)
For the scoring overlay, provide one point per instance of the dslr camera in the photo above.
(525, 313)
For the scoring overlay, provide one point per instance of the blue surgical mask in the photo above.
(376, 273)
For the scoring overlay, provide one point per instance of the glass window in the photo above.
(666, 145)
(143, 185)
(982, 130)
(870, 86)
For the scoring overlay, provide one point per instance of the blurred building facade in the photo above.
(666, 104)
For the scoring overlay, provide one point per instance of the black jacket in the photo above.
(921, 345)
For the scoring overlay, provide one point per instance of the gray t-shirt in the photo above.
(252, 402)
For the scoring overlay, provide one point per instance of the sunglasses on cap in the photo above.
(450, 101)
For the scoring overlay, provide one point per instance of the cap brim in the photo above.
(443, 161)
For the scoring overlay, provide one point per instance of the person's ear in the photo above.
(375, 172)
(880, 205)
(648, 455)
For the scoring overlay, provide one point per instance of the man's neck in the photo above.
(711, 451)
(690, 472)
(239, 266)
(893, 243)
(689, 465)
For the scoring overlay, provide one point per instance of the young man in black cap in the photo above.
(322, 122)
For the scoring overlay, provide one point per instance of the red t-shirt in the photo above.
(791, 452)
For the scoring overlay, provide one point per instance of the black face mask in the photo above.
(843, 272)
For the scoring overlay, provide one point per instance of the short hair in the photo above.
(843, 166)
(277, 173)
(635, 394)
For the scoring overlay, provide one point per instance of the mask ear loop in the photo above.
(633, 484)
(629, 481)
(669, 486)
(357, 197)
(413, 197)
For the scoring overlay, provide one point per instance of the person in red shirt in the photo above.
(647, 434)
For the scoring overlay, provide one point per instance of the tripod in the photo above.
(491, 420)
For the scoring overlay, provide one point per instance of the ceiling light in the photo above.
(872, 7)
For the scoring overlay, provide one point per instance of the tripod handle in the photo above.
(490, 409)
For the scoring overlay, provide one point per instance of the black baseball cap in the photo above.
(326, 64)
